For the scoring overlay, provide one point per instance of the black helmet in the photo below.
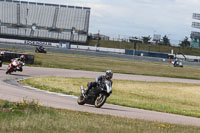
(109, 74)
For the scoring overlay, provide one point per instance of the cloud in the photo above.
(138, 17)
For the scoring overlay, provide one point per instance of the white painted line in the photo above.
(48, 92)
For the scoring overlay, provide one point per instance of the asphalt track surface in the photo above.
(10, 90)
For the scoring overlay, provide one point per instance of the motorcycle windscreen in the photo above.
(108, 86)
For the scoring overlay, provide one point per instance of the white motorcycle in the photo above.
(177, 63)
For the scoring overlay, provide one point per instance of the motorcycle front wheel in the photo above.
(8, 71)
(100, 100)
(81, 100)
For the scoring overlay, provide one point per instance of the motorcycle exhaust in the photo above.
(82, 90)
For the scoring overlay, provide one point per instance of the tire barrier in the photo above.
(8, 56)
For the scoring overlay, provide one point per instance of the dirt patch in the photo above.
(5, 110)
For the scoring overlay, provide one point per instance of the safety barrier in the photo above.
(146, 53)
(98, 49)
(8, 56)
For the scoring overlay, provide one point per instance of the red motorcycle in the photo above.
(14, 66)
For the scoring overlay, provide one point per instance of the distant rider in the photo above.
(108, 76)
(41, 47)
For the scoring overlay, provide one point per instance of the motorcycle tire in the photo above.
(8, 71)
(100, 100)
(81, 100)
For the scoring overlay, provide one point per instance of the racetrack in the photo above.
(11, 91)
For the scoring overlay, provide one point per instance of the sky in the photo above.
(125, 18)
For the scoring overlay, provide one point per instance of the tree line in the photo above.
(166, 41)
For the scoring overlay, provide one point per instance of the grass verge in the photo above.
(101, 64)
(177, 98)
(146, 47)
(29, 117)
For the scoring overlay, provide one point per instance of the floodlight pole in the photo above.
(98, 38)
(0, 26)
(135, 41)
(135, 45)
(72, 34)
(149, 48)
(119, 39)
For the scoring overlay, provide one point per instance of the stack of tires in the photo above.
(29, 59)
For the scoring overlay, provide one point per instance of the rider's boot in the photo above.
(87, 91)
(20, 69)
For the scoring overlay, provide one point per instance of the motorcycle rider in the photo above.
(108, 76)
(175, 62)
(20, 60)
(41, 47)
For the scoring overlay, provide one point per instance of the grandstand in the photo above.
(195, 36)
(43, 22)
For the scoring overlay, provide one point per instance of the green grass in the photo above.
(23, 117)
(101, 64)
(177, 98)
(146, 47)
(140, 46)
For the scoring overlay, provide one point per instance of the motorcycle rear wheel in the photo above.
(81, 100)
(100, 100)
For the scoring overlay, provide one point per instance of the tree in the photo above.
(185, 42)
(166, 40)
(146, 39)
